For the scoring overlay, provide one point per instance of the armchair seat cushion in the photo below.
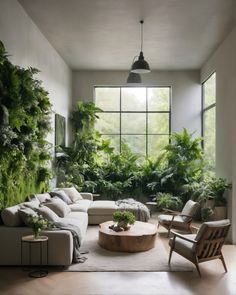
(184, 248)
(178, 221)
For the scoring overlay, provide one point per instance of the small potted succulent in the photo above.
(38, 223)
(124, 220)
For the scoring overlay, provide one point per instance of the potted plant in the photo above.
(206, 213)
(219, 187)
(124, 219)
(38, 223)
(168, 201)
(211, 193)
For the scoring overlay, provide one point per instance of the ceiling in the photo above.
(105, 34)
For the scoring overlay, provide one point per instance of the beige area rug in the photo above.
(154, 260)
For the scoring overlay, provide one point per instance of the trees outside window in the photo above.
(209, 119)
(138, 116)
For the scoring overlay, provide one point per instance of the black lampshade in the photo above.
(140, 66)
(134, 78)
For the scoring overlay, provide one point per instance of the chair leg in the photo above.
(198, 269)
(170, 255)
(168, 234)
(223, 262)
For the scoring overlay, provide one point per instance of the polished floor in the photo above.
(214, 281)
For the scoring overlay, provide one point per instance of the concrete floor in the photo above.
(214, 281)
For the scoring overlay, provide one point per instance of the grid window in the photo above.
(209, 119)
(137, 116)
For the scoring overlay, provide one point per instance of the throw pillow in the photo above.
(58, 206)
(62, 195)
(73, 194)
(47, 213)
(10, 216)
(43, 197)
(25, 213)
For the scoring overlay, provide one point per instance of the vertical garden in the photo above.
(24, 124)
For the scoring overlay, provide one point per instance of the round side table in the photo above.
(31, 240)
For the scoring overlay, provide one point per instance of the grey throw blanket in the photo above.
(140, 211)
(76, 234)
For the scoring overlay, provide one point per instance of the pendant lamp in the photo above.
(140, 66)
(134, 78)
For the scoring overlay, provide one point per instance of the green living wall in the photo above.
(24, 124)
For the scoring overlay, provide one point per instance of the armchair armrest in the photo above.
(87, 196)
(183, 237)
(185, 215)
(171, 212)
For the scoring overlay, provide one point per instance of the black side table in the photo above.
(31, 240)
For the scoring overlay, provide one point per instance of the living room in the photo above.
(84, 52)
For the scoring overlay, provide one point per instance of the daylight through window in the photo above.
(209, 119)
(137, 116)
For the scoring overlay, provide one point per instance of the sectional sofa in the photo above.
(80, 210)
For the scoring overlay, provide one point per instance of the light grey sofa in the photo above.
(79, 211)
(60, 243)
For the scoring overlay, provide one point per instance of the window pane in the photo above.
(158, 123)
(115, 141)
(137, 143)
(133, 99)
(156, 144)
(133, 123)
(107, 99)
(209, 90)
(158, 99)
(210, 135)
(108, 123)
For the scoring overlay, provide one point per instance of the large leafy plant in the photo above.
(183, 164)
(24, 124)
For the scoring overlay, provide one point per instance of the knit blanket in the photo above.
(76, 234)
(140, 211)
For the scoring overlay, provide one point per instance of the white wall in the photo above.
(186, 92)
(223, 62)
(28, 47)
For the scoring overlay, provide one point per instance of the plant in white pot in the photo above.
(219, 194)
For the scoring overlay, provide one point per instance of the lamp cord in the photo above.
(141, 22)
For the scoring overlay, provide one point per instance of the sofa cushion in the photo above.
(25, 213)
(73, 194)
(58, 206)
(47, 213)
(79, 219)
(43, 197)
(33, 204)
(10, 216)
(62, 195)
(102, 208)
(81, 205)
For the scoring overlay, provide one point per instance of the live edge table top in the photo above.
(140, 237)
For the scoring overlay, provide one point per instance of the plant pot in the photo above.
(220, 213)
(123, 225)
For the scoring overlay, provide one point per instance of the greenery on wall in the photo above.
(24, 124)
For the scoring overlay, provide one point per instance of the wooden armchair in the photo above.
(179, 220)
(204, 246)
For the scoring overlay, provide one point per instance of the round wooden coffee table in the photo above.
(140, 237)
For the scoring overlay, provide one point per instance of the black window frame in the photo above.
(142, 112)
